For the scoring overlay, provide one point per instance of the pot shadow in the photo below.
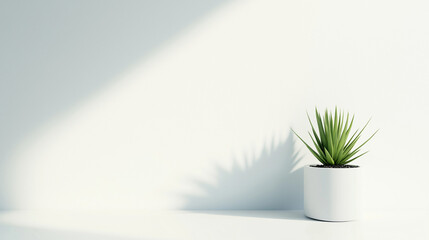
(273, 214)
(270, 181)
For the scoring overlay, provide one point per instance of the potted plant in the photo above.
(332, 188)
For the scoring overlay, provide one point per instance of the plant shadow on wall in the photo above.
(271, 181)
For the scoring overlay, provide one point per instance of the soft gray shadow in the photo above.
(54, 54)
(269, 182)
(12, 232)
(274, 214)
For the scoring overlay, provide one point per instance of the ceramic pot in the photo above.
(332, 194)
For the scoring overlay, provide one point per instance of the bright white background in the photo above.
(188, 105)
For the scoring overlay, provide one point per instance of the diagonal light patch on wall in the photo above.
(222, 86)
(54, 55)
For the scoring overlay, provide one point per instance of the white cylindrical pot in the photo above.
(332, 194)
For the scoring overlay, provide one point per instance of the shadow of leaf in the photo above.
(270, 182)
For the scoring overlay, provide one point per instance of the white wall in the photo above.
(164, 105)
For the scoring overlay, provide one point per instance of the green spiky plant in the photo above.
(332, 142)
